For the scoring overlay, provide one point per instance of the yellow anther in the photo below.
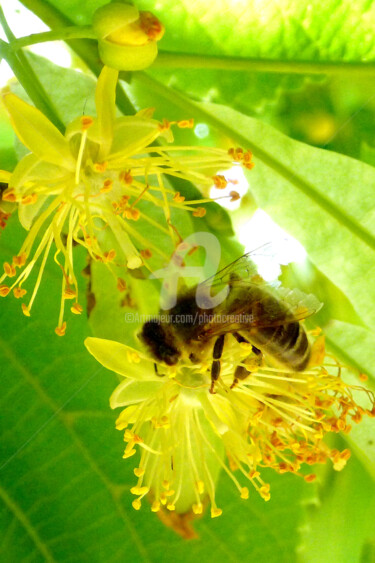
(136, 504)
(76, 309)
(200, 487)
(139, 490)
(169, 493)
(126, 177)
(121, 284)
(139, 471)
(197, 508)
(25, 310)
(20, 260)
(264, 492)
(129, 453)
(107, 186)
(178, 198)
(128, 435)
(19, 292)
(29, 199)
(245, 345)
(244, 493)
(9, 195)
(254, 474)
(165, 484)
(215, 512)
(163, 498)
(220, 181)
(109, 256)
(60, 330)
(4, 290)
(69, 294)
(234, 196)
(9, 269)
(185, 123)
(171, 506)
(100, 166)
(155, 507)
(86, 122)
(146, 253)
(199, 212)
(132, 213)
(310, 478)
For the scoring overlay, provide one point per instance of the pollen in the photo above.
(19, 292)
(109, 256)
(9, 270)
(9, 195)
(4, 290)
(199, 212)
(132, 213)
(136, 504)
(126, 177)
(107, 186)
(155, 507)
(29, 199)
(215, 512)
(186, 124)
(178, 198)
(220, 182)
(86, 122)
(146, 253)
(100, 166)
(76, 309)
(121, 284)
(19, 260)
(69, 294)
(25, 310)
(60, 330)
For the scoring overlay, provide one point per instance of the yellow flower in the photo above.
(127, 37)
(87, 188)
(273, 418)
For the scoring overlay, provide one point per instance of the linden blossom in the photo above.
(73, 188)
(275, 418)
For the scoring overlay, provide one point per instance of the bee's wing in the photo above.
(274, 308)
(245, 268)
(265, 303)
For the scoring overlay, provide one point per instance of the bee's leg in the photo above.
(240, 373)
(157, 372)
(216, 365)
(239, 337)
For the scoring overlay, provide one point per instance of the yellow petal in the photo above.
(118, 357)
(130, 392)
(105, 100)
(37, 133)
(5, 176)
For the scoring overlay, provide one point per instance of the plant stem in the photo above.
(74, 32)
(182, 61)
(27, 77)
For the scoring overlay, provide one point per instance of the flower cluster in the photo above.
(273, 418)
(87, 188)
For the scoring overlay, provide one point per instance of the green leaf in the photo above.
(340, 522)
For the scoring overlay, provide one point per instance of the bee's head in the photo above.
(160, 341)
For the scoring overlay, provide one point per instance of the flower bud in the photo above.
(127, 38)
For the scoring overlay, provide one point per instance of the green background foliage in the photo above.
(304, 105)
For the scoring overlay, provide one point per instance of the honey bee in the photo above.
(263, 314)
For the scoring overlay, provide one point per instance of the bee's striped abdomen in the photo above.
(287, 343)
